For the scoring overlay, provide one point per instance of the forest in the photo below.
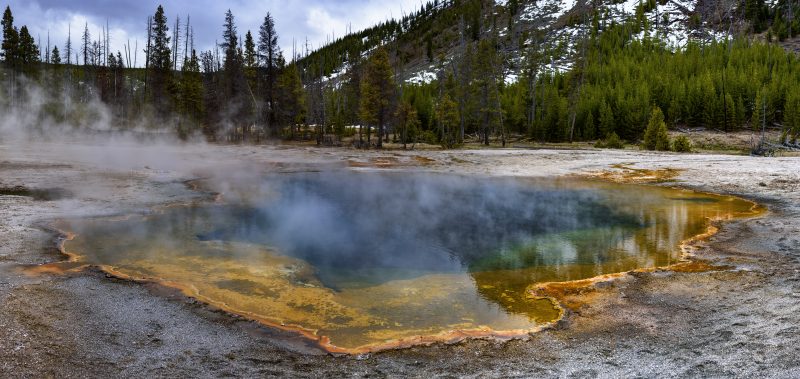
(623, 78)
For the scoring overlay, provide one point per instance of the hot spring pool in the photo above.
(364, 260)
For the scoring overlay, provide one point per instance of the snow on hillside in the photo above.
(669, 21)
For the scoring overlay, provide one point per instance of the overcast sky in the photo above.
(295, 20)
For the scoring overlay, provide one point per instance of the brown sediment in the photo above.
(392, 162)
(424, 160)
(323, 342)
(379, 162)
(624, 173)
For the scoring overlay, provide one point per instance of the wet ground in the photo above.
(740, 322)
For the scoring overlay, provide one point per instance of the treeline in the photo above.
(621, 76)
(241, 90)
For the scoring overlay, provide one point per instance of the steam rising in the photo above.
(353, 223)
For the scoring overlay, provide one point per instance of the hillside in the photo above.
(432, 36)
(453, 72)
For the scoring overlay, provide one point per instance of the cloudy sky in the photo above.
(295, 20)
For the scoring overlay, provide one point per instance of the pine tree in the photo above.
(656, 136)
(407, 121)
(268, 53)
(229, 43)
(758, 116)
(250, 56)
(10, 43)
(377, 92)
(28, 51)
(160, 53)
(236, 100)
(55, 56)
(190, 94)
(489, 112)
(448, 119)
(160, 63)
(429, 47)
(250, 61)
(607, 123)
(292, 108)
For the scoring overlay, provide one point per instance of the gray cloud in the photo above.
(314, 20)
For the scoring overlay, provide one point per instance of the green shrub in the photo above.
(682, 145)
(429, 137)
(612, 141)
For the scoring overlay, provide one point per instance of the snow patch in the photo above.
(422, 77)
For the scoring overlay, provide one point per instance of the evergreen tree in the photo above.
(607, 123)
(292, 107)
(429, 47)
(160, 63)
(250, 56)
(656, 136)
(28, 51)
(10, 43)
(160, 52)
(268, 53)
(792, 116)
(407, 121)
(250, 61)
(759, 108)
(448, 120)
(55, 56)
(377, 92)
(236, 100)
(229, 43)
(486, 86)
(190, 94)
(754, 11)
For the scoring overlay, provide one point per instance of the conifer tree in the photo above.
(28, 51)
(292, 106)
(407, 121)
(250, 61)
(607, 123)
(758, 117)
(236, 101)
(190, 93)
(229, 43)
(486, 62)
(250, 57)
(55, 56)
(10, 43)
(160, 52)
(268, 53)
(448, 120)
(160, 63)
(377, 92)
(656, 136)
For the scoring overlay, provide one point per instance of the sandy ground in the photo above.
(738, 323)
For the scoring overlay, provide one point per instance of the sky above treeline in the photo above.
(296, 20)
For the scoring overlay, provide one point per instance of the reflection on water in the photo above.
(363, 258)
